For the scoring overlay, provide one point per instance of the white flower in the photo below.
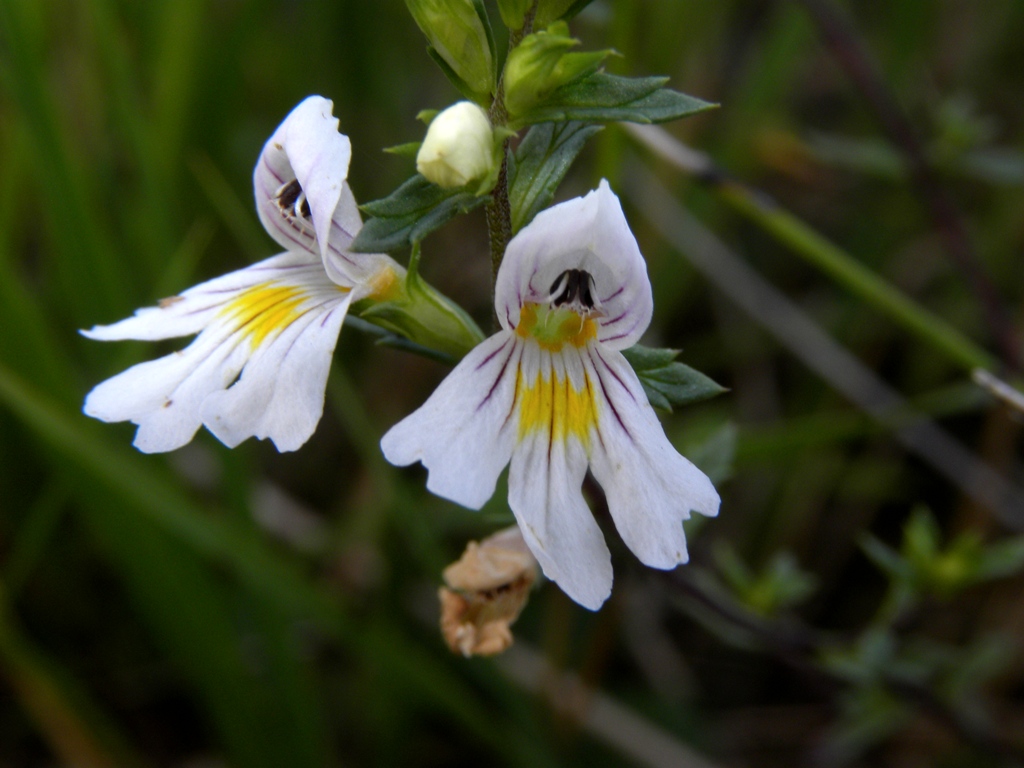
(552, 393)
(458, 148)
(266, 333)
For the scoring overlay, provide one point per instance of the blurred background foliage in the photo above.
(852, 605)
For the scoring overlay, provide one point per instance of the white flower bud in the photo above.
(458, 148)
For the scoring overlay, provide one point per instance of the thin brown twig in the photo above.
(843, 41)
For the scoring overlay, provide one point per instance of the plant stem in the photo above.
(499, 211)
(819, 251)
(849, 49)
(846, 270)
(499, 217)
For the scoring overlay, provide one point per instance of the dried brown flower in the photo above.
(486, 590)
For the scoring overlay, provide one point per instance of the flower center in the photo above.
(552, 327)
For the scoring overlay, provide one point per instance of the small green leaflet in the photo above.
(409, 149)
(410, 213)
(668, 382)
(539, 164)
(602, 98)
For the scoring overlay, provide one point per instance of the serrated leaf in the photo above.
(410, 213)
(602, 98)
(667, 382)
(540, 163)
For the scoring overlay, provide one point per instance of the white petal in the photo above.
(163, 396)
(650, 487)
(196, 308)
(308, 148)
(588, 233)
(264, 317)
(544, 492)
(465, 431)
(280, 394)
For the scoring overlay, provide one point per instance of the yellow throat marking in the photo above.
(553, 405)
(264, 310)
(556, 407)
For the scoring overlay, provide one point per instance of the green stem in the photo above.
(499, 210)
(499, 217)
(860, 280)
(815, 249)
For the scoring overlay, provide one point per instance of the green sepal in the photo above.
(485, 21)
(603, 98)
(424, 316)
(410, 213)
(667, 382)
(541, 64)
(409, 149)
(539, 164)
(513, 12)
(387, 338)
(459, 35)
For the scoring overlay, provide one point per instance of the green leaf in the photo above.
(602, 98)
(460, 85)
(410, 213)
(460, 36)
(513, 12)
(539, 164)
(409, 149)
(669, 383)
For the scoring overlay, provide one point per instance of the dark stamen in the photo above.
(293, 201)
(573, 287)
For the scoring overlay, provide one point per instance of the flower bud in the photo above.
(541, 63)
(458, 148)
(457, 31)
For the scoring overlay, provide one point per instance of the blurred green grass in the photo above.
(147, 616)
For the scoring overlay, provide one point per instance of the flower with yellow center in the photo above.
(552, 394)
(266, 333)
